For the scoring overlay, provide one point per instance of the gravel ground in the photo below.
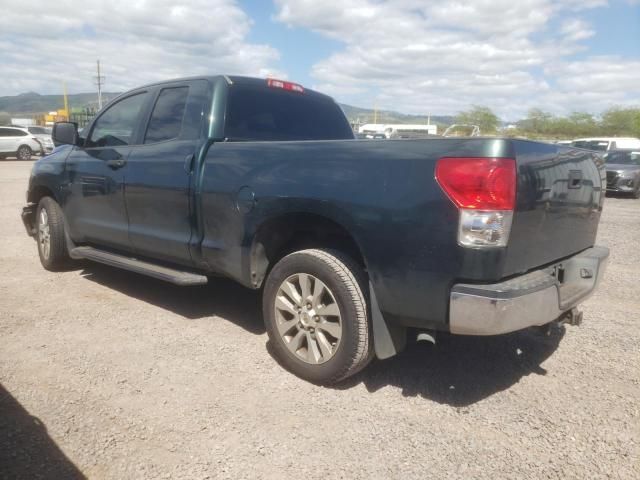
(107, 374)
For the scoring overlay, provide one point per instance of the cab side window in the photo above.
(168, 115)
(117, 125)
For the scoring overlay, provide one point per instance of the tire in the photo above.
(52, 245)
(24, 152)
(307, 336)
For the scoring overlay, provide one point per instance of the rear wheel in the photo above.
(316, 315)
(52, 247)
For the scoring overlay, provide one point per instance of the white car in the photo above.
(604, 144)
(18, 142)
(44, 135)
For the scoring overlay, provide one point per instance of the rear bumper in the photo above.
(533, 299)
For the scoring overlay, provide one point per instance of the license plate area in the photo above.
(576, 278)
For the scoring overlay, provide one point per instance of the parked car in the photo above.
(604, 144)
(623, 171)
(355, 245)
(43, 134)
(18, 142)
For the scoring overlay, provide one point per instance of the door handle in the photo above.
(188, 163)
(116, 163)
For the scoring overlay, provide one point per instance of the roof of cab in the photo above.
(231, 80)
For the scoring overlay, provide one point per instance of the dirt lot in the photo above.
(107, 374)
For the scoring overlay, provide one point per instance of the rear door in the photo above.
(6, 142)
(158, 176)
(11, 139)
(94, 206)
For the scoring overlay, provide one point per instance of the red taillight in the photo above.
(292, 87)
(479, 183)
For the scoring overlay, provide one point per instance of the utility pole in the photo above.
(99, 81)
(66, 101)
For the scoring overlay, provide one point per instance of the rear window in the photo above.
(263, 114)
(166, 119)
(596, 145)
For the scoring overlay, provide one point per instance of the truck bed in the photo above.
(385, 194)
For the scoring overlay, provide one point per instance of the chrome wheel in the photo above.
(44, 234)
(308, 318)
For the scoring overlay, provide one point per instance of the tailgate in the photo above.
(559, 199)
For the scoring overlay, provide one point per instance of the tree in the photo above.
(5, 118)
(537, 121)
(481, 116)
(621, 121)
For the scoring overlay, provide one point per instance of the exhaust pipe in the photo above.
(570, 317)
(426, 336)
(573, 317)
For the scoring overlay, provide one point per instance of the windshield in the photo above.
(623, 158)
(38, 131)
(597, 145)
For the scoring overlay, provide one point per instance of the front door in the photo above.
(95, 206)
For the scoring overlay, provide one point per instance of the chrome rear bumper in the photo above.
(536, 298)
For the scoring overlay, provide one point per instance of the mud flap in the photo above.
(388, 339)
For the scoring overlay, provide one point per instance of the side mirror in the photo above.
(65, 133)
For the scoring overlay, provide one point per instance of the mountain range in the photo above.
(32, 102)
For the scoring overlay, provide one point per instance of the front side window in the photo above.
(168, 114)
(116, 126)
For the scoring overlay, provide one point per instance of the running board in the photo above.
(176, 277)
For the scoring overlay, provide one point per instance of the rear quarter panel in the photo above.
(384, 193)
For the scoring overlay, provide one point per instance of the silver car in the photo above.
(43, 134)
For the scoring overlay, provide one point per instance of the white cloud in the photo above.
(443, 55)
(575, 30)
(137, 41)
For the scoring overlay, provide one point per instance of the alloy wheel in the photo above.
(44, 234)
(308, 318)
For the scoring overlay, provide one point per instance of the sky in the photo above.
(414, 56)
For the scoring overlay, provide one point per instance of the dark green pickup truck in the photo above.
(357, 245)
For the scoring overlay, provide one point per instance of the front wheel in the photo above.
(52, 247)
(24, 153)
(316, 315)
